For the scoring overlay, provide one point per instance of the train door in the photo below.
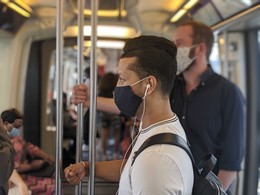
(232, 66)
(239, 44)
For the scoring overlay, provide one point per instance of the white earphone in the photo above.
(148, 86)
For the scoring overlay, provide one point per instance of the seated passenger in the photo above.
(35, 166)
(146, 72)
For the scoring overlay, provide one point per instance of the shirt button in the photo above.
(203, 83)
(183, 117)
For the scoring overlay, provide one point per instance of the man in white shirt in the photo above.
(146, 70)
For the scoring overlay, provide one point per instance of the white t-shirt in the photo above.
(159, 169)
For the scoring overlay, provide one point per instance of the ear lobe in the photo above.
(151, 83)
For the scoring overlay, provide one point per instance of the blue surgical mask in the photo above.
(126, 100)
(14, 132)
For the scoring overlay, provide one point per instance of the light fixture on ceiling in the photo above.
(111, 44)
(120, 32)
(184, 10)
(118, 11)
(106, 13)
(18, 6)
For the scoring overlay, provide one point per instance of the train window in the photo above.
(229, 8)
(258, 38)
(207, 14)
(214, 58)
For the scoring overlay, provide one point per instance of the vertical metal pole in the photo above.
(78, 189)
(251, 177)
(226, 51)
(59, 84)
(93, 92)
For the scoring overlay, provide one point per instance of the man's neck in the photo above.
(157, 111)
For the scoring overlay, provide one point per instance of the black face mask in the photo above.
(126, 101)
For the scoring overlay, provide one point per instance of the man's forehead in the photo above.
(124, 63)
(183, 30)
(182, 34)
(124, 69)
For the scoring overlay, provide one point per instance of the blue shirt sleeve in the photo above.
(233, 129)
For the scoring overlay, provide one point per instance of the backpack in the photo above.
(205, 181)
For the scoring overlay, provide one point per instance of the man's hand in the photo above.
(80, 94)
(76, 172)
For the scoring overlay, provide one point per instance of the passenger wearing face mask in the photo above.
(13, 120)
(210, 107)
(146, 70)
(28, 160)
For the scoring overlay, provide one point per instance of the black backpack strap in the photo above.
(205, 181)
(206, 164)
(165, 138)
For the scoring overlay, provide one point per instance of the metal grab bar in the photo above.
(93, 92)
(59, 84)
(80, 43)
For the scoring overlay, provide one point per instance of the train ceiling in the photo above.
(146, 16)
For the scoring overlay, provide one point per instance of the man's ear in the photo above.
(151, 84)
(202, 48)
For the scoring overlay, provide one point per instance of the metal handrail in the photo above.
(59, 84)
(80, 43)
(93, 92)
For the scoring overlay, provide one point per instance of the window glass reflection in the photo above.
(229, 8)
(207, 14)
(214, 59)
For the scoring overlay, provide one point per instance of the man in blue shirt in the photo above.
(209, 106)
